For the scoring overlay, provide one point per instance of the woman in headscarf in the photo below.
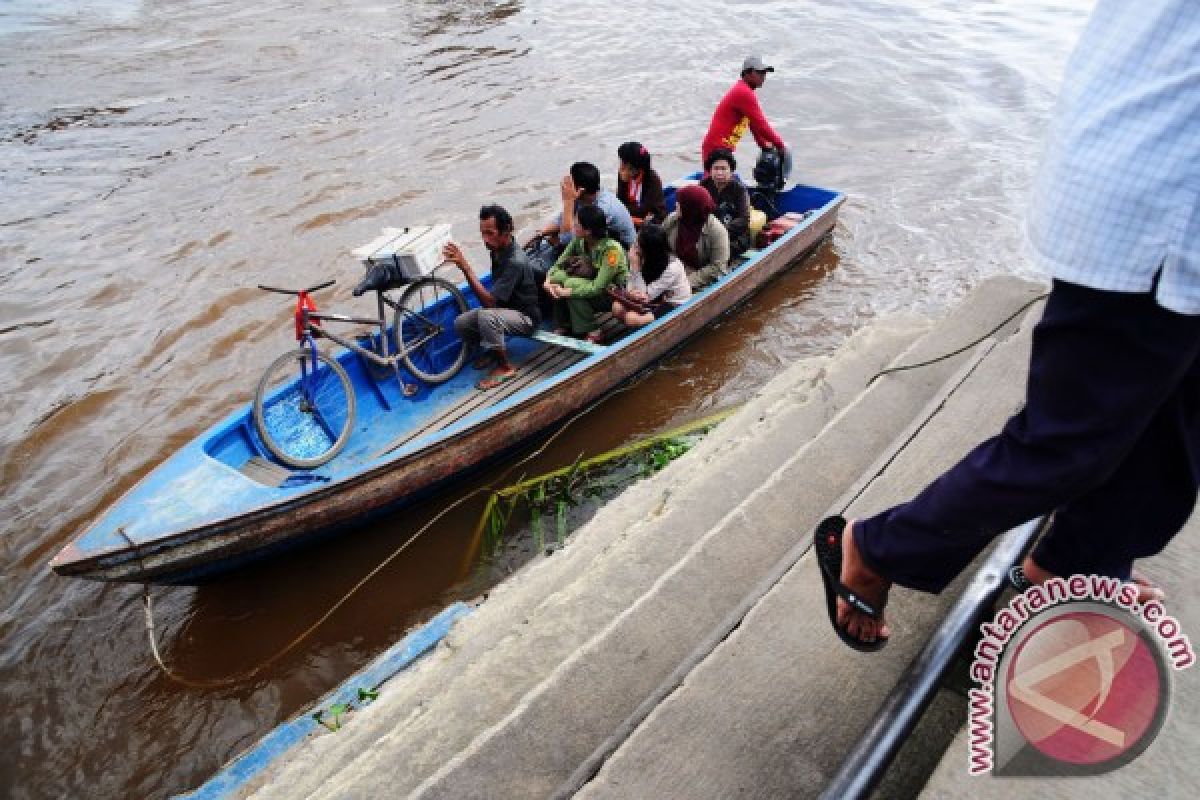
(697, 237)
(638, 186)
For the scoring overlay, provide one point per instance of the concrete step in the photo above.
(771, 712)
(437, 720)
(558, 723)
(502, 650)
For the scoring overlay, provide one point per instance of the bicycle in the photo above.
(304, 406)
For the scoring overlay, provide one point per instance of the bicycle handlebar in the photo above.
(309, 290)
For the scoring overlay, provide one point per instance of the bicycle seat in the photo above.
(379, 277)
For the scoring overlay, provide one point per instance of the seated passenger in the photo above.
(731, 197)
(697, 236)
(657, 280)
(580, 278)
(638, 185)
(510, 307)
(580, 188)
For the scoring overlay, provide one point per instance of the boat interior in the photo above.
(389, 420)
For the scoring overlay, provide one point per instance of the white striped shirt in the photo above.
(1115, 200)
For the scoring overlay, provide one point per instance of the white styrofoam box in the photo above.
(416, 250)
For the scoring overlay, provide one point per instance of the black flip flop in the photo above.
(827, 544)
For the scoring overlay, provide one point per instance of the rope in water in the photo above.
(242, 677)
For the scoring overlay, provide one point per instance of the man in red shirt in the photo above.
(739, 110)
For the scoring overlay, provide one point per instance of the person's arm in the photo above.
(763, 133)
(454, 254)
(620, 223)
(741, 221)
(612, 264)
(654, 202)
(637, 284)
(549, 231)
(570, 194)
(717, 239)
(716, 248)
(661, 286)
(630, 206)
(557, 276)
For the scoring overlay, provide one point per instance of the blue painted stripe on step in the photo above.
(236, 774)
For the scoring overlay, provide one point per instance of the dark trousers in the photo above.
(1109, 440)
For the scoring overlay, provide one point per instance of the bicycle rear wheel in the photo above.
(425, 336)
(304, 417)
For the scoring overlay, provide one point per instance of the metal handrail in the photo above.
(867, 762)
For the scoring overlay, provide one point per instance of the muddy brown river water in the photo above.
(158, 158)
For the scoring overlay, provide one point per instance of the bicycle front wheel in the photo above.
(425, 336)
(304, 416)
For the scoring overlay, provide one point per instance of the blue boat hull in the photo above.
(205, 510)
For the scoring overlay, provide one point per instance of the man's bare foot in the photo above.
(870, 586)
(496, 377)
(1147, 591)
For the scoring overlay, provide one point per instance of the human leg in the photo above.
(618, 312)
(636, 319)
(1141, 506)
(467, 327)
(1103, 366)
(562, 315)
(582, 311)
(495, 324)
(1103, 363)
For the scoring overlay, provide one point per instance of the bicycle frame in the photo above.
(308, 328)
(311, 319)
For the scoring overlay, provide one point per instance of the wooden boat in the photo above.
(220, 501)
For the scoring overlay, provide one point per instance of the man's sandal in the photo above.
(827, 544)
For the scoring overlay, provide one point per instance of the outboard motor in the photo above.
(381, 275)
(768, 172)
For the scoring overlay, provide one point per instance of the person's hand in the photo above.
(564, 292)
(569, 191)
(635, 258)
(551, 289)
(638, 295)
(454, 254)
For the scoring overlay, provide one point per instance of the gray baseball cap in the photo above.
(755, 63)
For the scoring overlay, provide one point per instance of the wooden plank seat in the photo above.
(543, 364)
